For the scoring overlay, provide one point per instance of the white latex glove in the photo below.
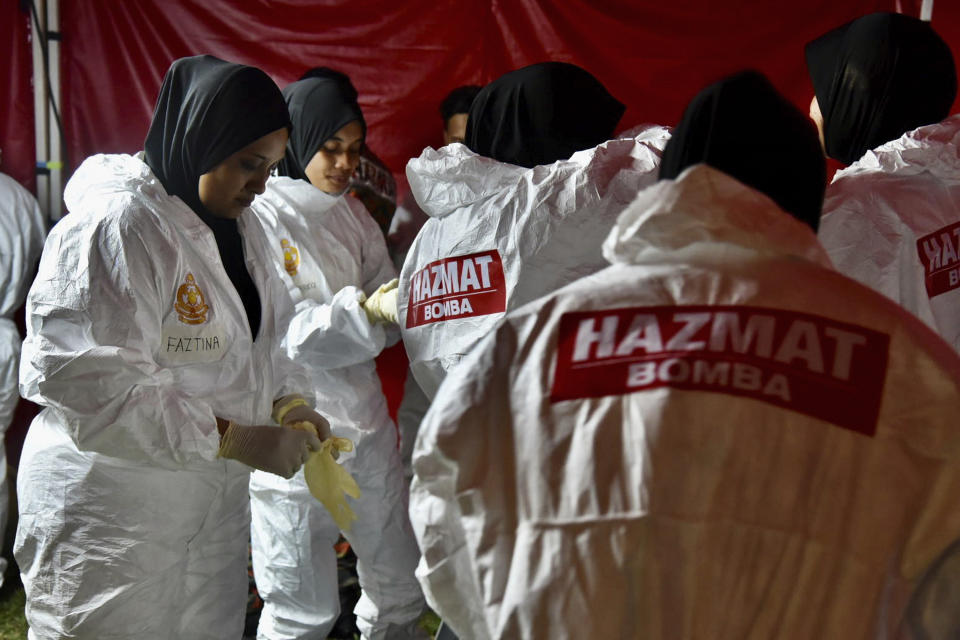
(381, 306)
(278, 450)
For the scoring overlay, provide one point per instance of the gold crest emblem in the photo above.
(190, 305)
(291, 257)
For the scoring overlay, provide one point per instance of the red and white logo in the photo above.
(941, 264)
(457, 287)
(817, 366)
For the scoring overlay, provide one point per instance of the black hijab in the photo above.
(319, 107)
(743, 127)
(877, 78)
(209, 109)
(540, 114)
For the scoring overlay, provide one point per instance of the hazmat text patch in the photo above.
(817, 366)
(941, 264)
(457, 287)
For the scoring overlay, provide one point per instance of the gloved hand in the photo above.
(278, 450)
(381, 306)
(306, 414)
(328, 481)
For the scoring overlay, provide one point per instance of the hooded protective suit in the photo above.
(500, 235)
(140, 334)
(523, 217)
(680, 446)
(335, 253)
(22, 231)
(128, 438)
(891, 219)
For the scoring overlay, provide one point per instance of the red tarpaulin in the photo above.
(404, 56)
(16, 102)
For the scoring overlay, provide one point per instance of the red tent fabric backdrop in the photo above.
(404, 56)
(16, 103)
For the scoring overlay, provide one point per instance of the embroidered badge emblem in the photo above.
(291, 257)
(190, 305)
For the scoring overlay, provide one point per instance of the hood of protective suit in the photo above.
(933, 149)
(889, 222)
(108, 175)
(299, 194)
(703, 209)
(446, 179)
(506, 235)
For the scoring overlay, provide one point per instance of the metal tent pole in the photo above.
(46, 95)
(41, 124)
(55, 158)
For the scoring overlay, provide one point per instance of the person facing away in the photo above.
(336, 257)
(153, 342)
(716, 436)
(884, 85)
(518, 211)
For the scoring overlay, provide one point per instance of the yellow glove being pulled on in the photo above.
(328, 481)
(381, 306)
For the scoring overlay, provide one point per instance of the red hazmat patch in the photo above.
(458, 287)
(813, 365)
(938, 253)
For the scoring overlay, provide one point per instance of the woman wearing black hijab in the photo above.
(875, 79)
(336, 255)
(153, 341)
(780, 158)
(540, 114)
(525, 205)
(884, 85)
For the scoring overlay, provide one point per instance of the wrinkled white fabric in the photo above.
(22, 232)
(9, 396)
(335, 254)
(891, 221)
(130, 526)
(711, 512)
(545, 224)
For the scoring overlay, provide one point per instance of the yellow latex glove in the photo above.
(381, 306)
(328, 481)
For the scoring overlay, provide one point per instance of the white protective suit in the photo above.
(335, 253)
(500, 235)
(715, 437)
(130, 525)
(22, 231)
(892, 221)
